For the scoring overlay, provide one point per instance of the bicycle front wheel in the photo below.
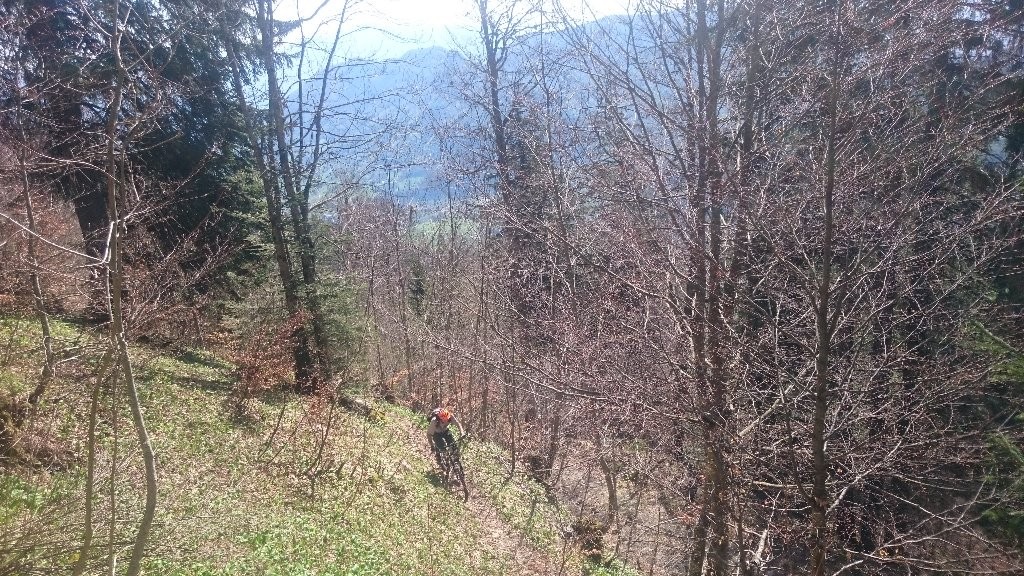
(459, 479)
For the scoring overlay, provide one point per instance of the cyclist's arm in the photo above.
(431, 429)
(462, 431)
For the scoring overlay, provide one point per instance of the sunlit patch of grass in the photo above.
(21, 349)
(22, 333)
(12, 385)
(17, 358)
(37, 513)
(262, 497)
(18, 497)
(15, 333)
(608, 567)
(374, 510)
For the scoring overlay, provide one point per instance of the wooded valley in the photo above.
(719, 287)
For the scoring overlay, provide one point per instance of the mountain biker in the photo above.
(438, 434)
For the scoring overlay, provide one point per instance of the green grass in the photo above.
(253, 497)
(13, 385)
(21, 349)
(608, 567)
(370, 509)
(18, 497)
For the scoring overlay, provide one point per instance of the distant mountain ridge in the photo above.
(403, 108)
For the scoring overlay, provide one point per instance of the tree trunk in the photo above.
(709, 322)
(115, 277)
(305, 366)
(90, 470)
(49, 361)
(699, 541)
(612, 516)
(823, 333)
(298, 207)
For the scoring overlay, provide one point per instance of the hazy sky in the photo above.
(392, 27)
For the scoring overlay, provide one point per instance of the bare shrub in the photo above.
(262, 358)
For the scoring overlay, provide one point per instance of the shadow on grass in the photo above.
(153, 376)
(279, 397)
(434, 478)
(194, 357)
(82, 322)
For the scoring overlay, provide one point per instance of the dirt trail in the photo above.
(526, 558)
(521, 557)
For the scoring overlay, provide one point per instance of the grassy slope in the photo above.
(238, 498)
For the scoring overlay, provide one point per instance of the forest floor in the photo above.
(298, 486)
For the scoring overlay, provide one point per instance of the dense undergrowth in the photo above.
(299, 487)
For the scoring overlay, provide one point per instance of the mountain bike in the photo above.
(453, 475)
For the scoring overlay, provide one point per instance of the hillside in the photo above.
(721, 288)
(259, 494)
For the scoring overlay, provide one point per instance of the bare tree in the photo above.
(304, 353)
(22, 143)
(878, 249)
(772, 175)
(314, 131)
(663, 83)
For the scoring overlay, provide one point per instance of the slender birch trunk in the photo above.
(115, 283)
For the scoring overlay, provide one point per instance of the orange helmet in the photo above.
(442, 414)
